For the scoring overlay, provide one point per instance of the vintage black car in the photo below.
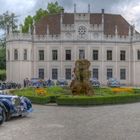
(15, 106)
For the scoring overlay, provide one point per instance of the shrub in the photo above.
(39, 100)
(97, 100)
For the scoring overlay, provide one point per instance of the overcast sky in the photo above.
(130, 9)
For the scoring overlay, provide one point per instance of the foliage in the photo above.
(39, 14)
(41, 92)
(2, 75)
(52, 8)
(27, 24)
(39, 99)
(7, 21)
(97, 100)
(2, 58)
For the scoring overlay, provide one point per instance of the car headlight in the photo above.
(13, 101)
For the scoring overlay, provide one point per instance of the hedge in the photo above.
(39, 100)
(97, 100)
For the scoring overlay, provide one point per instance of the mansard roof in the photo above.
(110, 22)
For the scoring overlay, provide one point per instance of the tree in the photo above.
(52, 8)
(2, 58)
(39, 14)
(8, 21)
(27, 24)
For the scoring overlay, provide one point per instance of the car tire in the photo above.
(4, 116)
(1, 122)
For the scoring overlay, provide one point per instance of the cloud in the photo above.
(127, 8)
(130, 11)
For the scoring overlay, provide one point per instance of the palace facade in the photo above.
(52, 46)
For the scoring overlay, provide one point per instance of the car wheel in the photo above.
(4, 116)
(1, 122)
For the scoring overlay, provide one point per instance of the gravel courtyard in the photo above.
(118, 122)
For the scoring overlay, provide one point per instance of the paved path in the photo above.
(118, 122)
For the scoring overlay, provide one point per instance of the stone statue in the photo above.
(80, 84)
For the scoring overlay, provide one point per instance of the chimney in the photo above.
(103, 11)
(62, 13)
(116, 30)
(48, 32)
(102, 19)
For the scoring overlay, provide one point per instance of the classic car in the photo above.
(61, 82)
(112, 82)
(94, 82)
(1, 115)
(36, 82)
(15, 106)
(49, 83)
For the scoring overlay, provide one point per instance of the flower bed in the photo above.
(118, 90)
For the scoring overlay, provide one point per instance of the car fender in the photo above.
(8, 105)
(26, 102)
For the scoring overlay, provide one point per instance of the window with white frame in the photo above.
(54, 74)
(109, 54)
(95, 73)
(41, 73)
(41, 55)
(68, 54)
(68, 73)
(122, 55)
(95, 54)
(123, 74)
(81, 54)
(54, 55)
(109, 73)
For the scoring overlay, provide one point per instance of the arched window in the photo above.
(15, 54)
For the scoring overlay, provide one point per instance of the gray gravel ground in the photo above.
(118, 122)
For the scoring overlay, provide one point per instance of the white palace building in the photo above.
(53, 45)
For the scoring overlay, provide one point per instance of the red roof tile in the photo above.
(110, 21)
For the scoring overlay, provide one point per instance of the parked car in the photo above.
(49, 83)
(112, 82)
(15, 106)
(62, 82)
(1, 115)
(36, 82)
(95, 82)
(2, 86)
